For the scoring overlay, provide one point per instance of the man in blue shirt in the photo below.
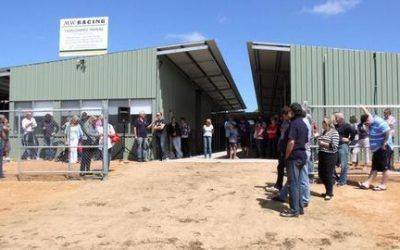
(381, 145)
(296, 159)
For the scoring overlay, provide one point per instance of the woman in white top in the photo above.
(110, 144)
(208, 130)
(74, 133)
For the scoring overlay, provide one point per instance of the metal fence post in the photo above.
(19, 141)
(105, 140)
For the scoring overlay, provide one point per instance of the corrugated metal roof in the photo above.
(202, 63)
(270, 64)
(323, 76)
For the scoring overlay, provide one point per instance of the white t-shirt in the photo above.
(25, 123)
(208, 130)
(111, 131)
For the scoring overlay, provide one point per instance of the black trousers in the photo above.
(326, 168)
(87, 155)
(185, 147)
(281, 171)
(260, 148)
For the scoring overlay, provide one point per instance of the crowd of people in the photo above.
(334, 143)
(171, 140)
(83, 138)
(287, 137)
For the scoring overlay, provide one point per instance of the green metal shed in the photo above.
(185, 80)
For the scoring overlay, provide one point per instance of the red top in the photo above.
(272, 131)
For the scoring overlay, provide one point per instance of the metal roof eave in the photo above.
(211, 46)
(4, 72)
(253, 50)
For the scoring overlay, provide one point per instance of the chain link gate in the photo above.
(63, 141)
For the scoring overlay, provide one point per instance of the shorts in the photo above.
(381, 160)
(233, 144)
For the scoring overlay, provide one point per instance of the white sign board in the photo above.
(83, 36)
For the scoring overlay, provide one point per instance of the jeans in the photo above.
(141, 150)
(1, 162)
(260, 148)
(159, 146)
(30, 139)
(176, 143)
(344, 158)
(49, 152)
(305, 178)
(295, 188)
(163, 145)
(207, 146)
(305, 184)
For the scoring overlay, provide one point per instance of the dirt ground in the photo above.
(172, 205)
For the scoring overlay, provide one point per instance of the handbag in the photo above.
(116, 138)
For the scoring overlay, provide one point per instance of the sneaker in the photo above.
(328, 197)
(289, 214)
(272, 189)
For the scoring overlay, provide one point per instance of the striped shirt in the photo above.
(377, 132)
(330, 137)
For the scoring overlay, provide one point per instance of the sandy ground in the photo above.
(178, 205)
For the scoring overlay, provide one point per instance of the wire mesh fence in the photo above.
(359, 152)
(73, 142)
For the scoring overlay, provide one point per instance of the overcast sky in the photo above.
(30, 29)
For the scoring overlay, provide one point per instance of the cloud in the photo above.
(333, 7)
(187, 37)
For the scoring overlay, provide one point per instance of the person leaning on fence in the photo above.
(29, 139)
(73, 133)
(157, 128)
(174, 133)
(50, 128)
(391, 121)
(346, 135)
(208, 131)
(110, 144)
(185, 137)
(3, 138)
(381, 145)
(328, 144)
(90, 140)
(296, 159)
(140, 133)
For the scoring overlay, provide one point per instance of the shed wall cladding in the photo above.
(120, 75)
(177, 93)
(350, 76)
